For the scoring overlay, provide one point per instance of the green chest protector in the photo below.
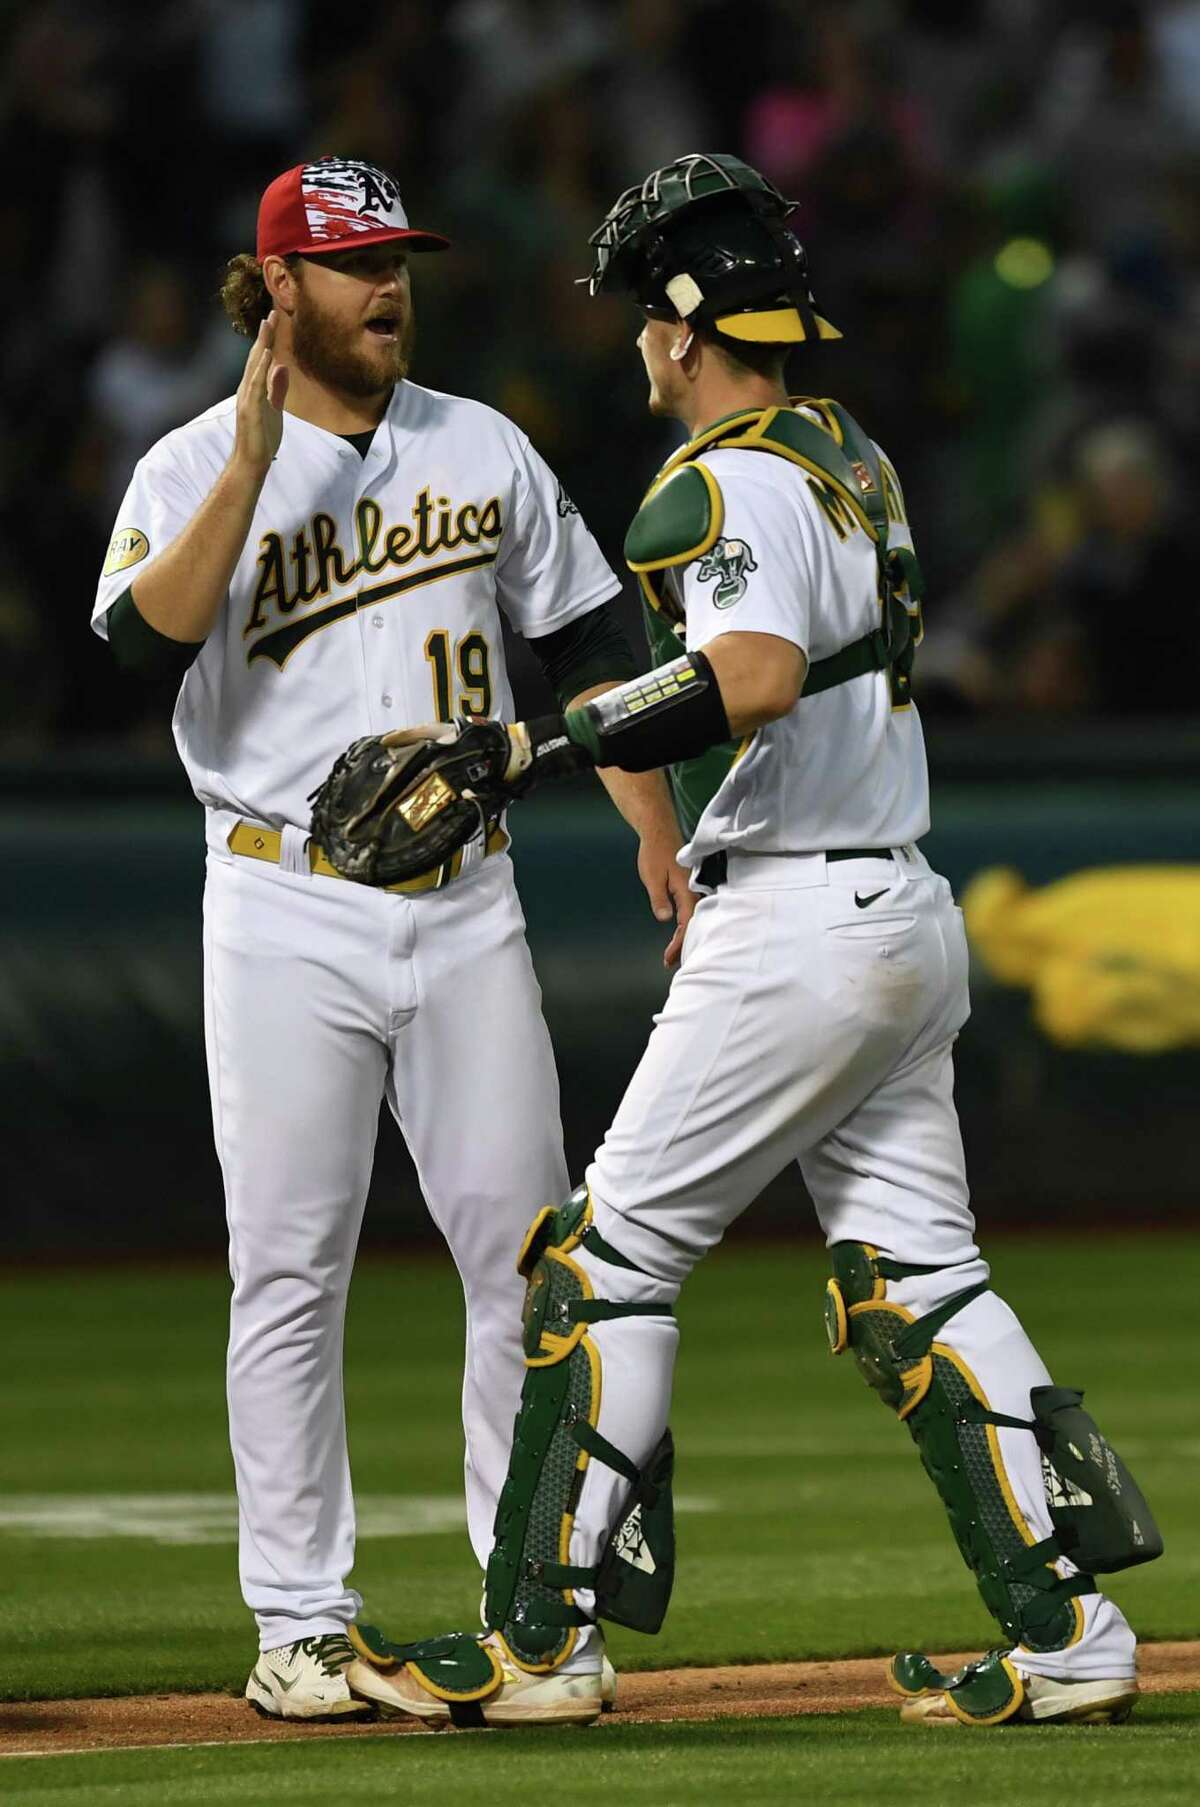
(682, 517)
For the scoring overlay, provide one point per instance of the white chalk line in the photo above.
(212, 1518)
(191, 1744)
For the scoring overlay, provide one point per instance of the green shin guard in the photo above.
(530, 1587)
(937, 1396)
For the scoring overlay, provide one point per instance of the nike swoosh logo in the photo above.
(285, 1685)
(862, 902)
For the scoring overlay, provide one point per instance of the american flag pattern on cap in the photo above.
(321, 206)
(342, 198)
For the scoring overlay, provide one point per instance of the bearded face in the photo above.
(353, 337)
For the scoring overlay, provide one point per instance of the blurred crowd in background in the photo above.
(1000, 200)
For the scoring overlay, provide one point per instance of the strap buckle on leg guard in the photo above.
(530, 1585)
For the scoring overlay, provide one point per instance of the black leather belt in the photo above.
(714, 870)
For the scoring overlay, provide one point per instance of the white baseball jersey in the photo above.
(368, 596)
(812, 1022)
(369, 592)
(844, 768)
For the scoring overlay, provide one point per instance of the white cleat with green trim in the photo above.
(306, 1680)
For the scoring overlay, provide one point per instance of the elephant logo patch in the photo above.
(730, 562)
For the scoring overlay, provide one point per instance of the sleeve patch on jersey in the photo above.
(730, 563)
(128, 546)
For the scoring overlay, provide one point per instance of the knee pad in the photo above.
(1101, 1522)
(530, 1587)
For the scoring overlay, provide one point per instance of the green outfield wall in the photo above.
(105, 1111)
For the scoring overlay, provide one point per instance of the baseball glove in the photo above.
(399, 805)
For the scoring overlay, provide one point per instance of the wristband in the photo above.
(671, 714)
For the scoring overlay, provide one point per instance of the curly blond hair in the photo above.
(244, 293)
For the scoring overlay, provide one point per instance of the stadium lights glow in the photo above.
(1024, 263)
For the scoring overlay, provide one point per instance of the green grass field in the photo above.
(808, 1530)
(857, 1757)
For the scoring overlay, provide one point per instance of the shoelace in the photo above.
(333, 1651)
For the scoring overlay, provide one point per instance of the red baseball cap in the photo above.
(329, 205)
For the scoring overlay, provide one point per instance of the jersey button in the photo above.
(386, 700)
(376, 620)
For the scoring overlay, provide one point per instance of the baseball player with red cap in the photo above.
(325, 555)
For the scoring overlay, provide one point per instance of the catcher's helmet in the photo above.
(705, 239)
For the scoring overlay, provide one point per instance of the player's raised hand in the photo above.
(260, 398)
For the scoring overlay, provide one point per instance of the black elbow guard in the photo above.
(589, 650)
(139, 649)
(671, 714)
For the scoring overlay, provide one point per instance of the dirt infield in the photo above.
(58, 1727)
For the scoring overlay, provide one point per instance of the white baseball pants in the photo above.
(813, 1020)
(322, 998)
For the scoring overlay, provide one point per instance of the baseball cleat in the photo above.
(993, 1691)
(464, 1681)
(305, 1680)
(608, 1686)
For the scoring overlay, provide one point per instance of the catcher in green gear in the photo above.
(813, 1020)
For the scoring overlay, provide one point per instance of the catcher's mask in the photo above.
(705, 240)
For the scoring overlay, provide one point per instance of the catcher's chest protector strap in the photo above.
(682, 515)
(937, 1396)
(530, 1584)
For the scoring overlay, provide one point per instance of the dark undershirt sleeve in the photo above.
(592, 649)
(139, 649)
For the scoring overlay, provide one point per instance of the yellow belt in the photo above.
(255, 843)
